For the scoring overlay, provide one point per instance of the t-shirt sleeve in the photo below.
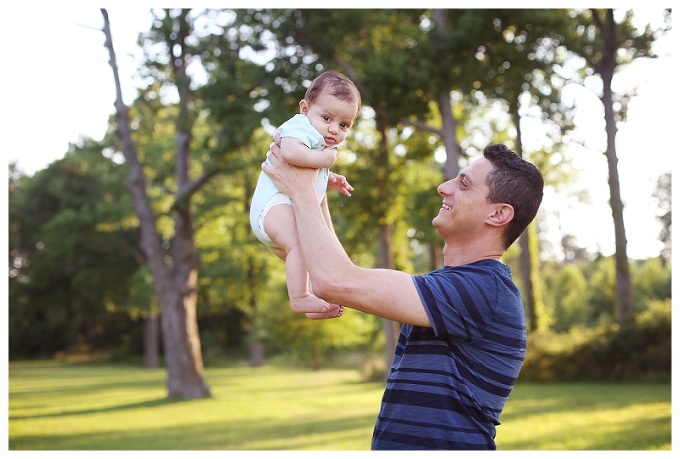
(459, 304)
(299, 127)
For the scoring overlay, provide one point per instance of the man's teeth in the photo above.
(445, 207)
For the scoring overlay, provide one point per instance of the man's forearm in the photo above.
(320, 247)
(325, 211)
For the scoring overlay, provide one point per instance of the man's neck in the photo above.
(466, 254)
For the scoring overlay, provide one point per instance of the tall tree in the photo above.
(607, 43)
(520, 73)
(175, 281)
(663, 195)
(73, 257)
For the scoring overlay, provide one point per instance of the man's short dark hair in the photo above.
(517, 182)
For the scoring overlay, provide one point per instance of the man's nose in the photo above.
(443, 188)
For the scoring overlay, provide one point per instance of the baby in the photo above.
(309, 139)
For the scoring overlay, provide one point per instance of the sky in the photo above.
(57, 54)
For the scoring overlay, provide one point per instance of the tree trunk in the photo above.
(448, 136)
(435, 256)
(176, 288)
(529, 272)
(386, 259)
(255, 346)
(151, 342)
(182, 347)
(316, 356)
(449, 122)
(625, 305)
(256, 351)
(390, 327)
(528, 260)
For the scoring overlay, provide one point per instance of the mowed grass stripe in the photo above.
(59, 406)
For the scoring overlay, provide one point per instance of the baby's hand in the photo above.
(340, 183)
(331, 156)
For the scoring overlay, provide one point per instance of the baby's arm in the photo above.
(295, 152)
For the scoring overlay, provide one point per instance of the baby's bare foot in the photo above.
(334, 312)
(310, 304)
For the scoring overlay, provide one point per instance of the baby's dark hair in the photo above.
(337, 85)
(517, 182)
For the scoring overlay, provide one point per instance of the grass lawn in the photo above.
(57, 406)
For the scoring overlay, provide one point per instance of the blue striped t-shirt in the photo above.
(449, 383)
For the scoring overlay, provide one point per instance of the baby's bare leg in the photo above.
(279, 224)
(301, 299)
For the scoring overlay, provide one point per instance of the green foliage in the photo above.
(584, 40)
(73, 246)
(75, 282)
(569, 291)
(582, 294)
(641, 352)
(652, 281)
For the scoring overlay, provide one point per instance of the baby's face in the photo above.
(331, 117)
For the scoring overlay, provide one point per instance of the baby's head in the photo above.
(336, 84)
(332, 103)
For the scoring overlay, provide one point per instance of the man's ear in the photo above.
(504, 214)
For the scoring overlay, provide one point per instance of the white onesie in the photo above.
(267, 195)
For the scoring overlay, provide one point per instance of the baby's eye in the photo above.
(326, 117)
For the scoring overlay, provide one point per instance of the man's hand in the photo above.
(340, 183)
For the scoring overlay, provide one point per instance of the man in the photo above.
(464, 338)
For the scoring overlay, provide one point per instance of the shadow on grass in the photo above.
(128, 406)
(263, 434)
(251, 409)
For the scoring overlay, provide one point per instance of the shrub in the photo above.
(641, 352)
